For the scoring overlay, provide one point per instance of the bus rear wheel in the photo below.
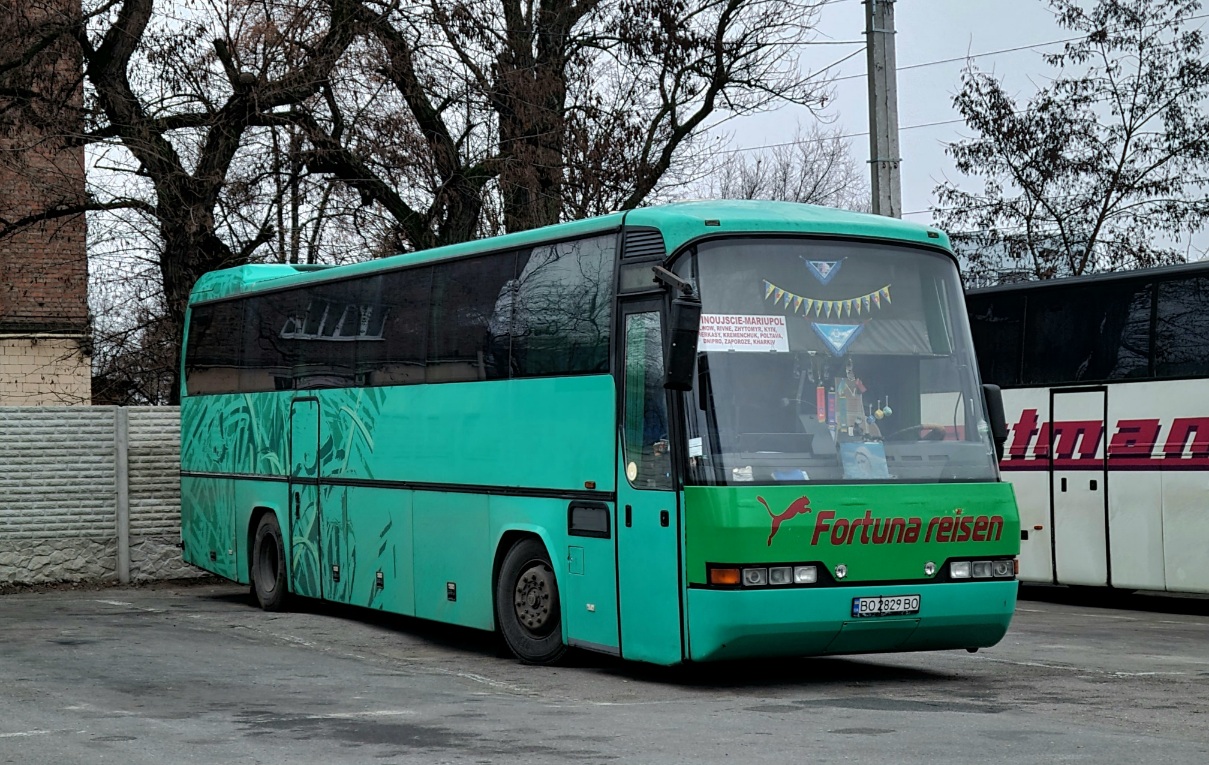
(527, 606)
(269, 565)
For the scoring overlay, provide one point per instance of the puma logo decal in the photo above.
(799, 506)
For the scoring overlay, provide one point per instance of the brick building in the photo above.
(44, 328)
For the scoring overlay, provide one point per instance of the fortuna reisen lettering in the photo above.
(881, 531)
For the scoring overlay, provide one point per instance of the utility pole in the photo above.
(884, 158)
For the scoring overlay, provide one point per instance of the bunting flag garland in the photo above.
(825, 308)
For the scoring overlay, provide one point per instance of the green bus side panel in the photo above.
(252, 496)
(548, 433)
(584, 567)
(208, 524)
(235, 433)
(878, 532)
(368, 531)
(543, 433)
(452, 534)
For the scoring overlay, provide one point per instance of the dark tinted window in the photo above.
(1182, 329)
(214, 356)
(562, 309)
(272, 332)
(1085, 334)
(996, 322)
(393, 349)
(462, 339)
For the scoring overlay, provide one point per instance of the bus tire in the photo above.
(269, 581)
(527, 605)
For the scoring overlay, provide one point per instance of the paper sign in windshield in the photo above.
(731, 332)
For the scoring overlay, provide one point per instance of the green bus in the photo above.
(701, 431)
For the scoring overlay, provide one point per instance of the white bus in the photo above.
(1106, 390)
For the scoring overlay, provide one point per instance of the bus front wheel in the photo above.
(527, 606)
(269, 565)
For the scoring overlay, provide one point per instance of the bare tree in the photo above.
(815, 167)
(1106, 166)
(227, 131)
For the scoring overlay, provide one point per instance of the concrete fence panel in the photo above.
(89, 494)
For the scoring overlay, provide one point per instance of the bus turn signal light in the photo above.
(725, 576)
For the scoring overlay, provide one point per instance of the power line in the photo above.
(743, 149)
(972, 56)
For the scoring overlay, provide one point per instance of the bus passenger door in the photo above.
(304, 572)
(648, 512)
(1077, 456)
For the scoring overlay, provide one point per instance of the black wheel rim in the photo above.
(533, 599)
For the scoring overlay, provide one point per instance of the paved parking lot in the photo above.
(183, 673)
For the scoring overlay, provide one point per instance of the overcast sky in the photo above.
(928, 31)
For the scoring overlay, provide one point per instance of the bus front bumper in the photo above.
(735, 624)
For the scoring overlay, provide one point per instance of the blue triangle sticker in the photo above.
(823, 270)
(838, 336)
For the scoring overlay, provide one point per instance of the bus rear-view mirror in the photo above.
(993, 398)
(682, 353)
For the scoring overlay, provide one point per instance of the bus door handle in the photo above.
(1063, 484)
(297, 505)
(629, 516)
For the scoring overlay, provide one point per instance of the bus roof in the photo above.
(679, 222)
(1138, 274)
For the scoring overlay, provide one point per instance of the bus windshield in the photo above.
(832, 361)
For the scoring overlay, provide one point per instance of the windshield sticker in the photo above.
(731, 332)
(838, 336)
(825, 308)
(823, 270)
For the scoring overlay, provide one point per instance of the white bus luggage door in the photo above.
(1076, 439)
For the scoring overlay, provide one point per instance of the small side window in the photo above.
(648, 460)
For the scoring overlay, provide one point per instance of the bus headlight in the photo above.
(755, 577)
(981, 569)
(805, 575)
(959, 569)
(780, 575)
(1004, 568)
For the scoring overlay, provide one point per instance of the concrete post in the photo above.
(121, 448)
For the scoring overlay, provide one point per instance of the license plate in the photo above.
(885, 605)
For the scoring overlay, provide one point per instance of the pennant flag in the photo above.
(823, 270)
(838, 336)
(793, 302)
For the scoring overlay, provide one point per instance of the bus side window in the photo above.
(647, 459)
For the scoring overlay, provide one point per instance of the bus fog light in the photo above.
(981, 569)
(1003, 568)
(755, 577)
(960, 569)
(805, 575)
(929, 568)
(780, 575)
